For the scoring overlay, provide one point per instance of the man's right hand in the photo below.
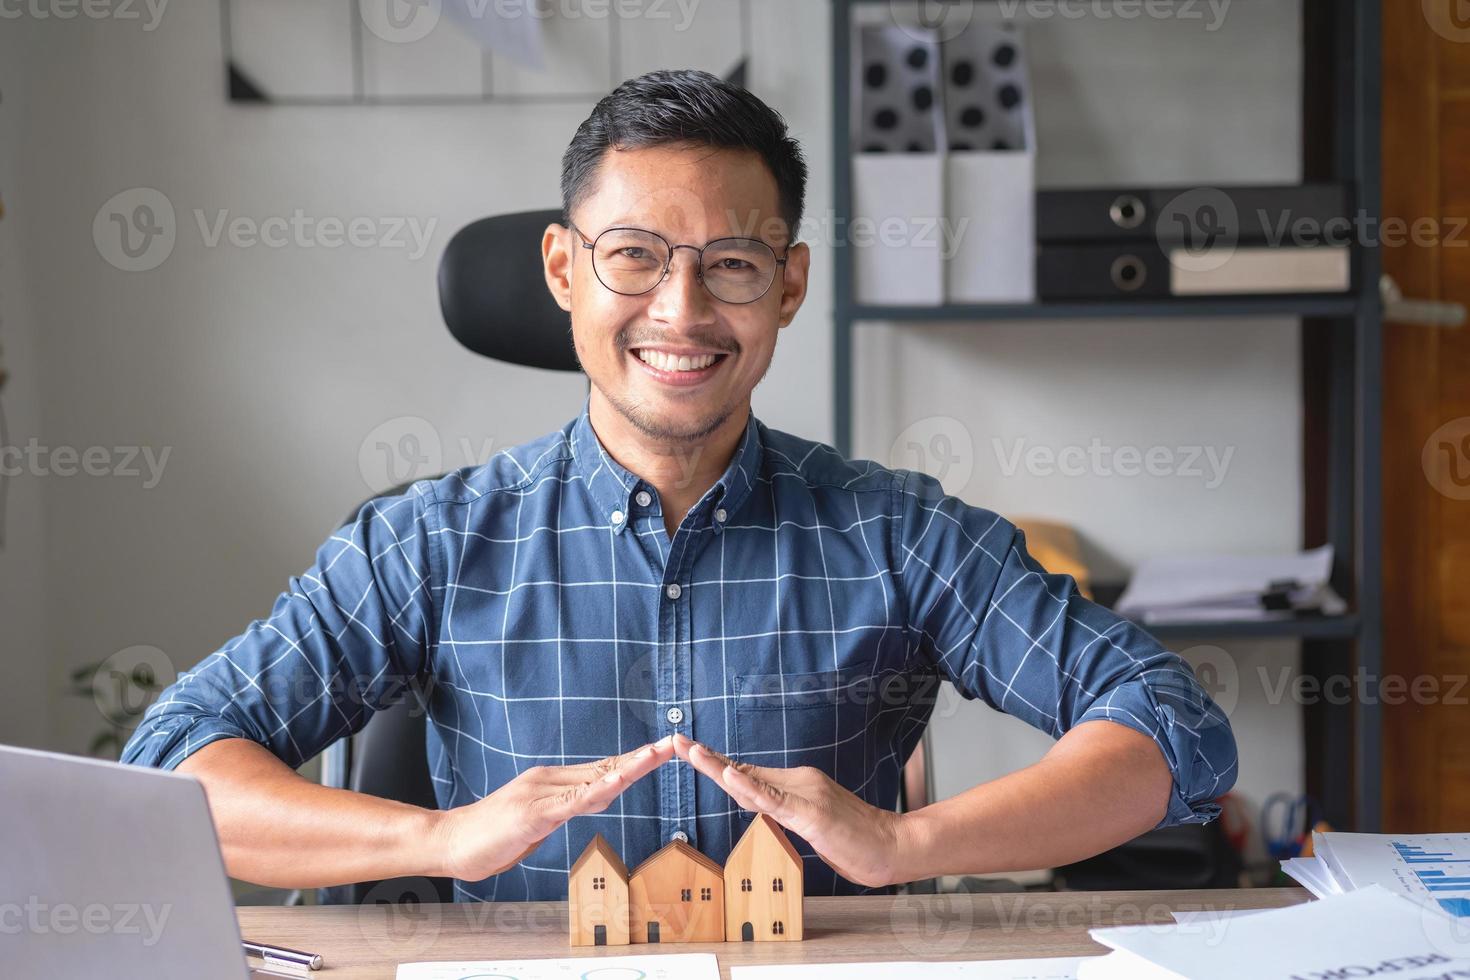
(493, 834)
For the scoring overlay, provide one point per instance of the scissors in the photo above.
(1286, 819)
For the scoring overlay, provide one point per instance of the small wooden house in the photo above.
(763, 886)
(677, 896)
(597, 897)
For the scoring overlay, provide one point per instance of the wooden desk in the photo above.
(369, 942)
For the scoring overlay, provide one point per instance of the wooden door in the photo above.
(1426, 439)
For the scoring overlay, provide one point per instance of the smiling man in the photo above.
(666, 616)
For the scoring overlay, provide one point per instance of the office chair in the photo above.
(493, 295)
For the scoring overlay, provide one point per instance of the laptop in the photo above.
(111, 871)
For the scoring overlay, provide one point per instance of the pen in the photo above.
(280, 954)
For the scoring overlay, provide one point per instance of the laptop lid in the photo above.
(111, 871)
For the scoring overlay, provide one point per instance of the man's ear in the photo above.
(793, 284)
(556, 258)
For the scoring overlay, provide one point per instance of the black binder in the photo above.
(1137, 271)
(1264, 214)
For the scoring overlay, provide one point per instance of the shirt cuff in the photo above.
(1190, 730)
(164, 746)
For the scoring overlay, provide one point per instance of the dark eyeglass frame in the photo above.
(591, 244)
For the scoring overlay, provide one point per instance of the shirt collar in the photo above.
(612, 486)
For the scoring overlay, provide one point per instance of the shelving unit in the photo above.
(1341, 93)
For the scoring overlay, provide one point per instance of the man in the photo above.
(608, 617)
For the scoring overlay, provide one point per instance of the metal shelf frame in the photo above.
(1344, 64)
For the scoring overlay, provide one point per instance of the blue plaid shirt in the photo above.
(802, 614)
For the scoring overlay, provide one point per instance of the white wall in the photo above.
(24, 653)
(263, 371)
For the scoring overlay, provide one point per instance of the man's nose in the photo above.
(681, 297)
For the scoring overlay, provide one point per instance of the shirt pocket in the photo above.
(815, 719)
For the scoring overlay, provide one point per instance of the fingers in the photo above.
(711, 763)
(633, 765)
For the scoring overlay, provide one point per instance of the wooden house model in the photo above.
(763, 886)
(597, 897)
(677, 896)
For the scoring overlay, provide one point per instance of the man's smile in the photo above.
(679, 366)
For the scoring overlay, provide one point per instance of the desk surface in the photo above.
(369, 942)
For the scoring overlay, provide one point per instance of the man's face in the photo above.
(675, 361)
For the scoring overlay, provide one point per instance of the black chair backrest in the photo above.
(493, 293)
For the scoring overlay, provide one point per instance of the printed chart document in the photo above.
(674, 966)
(1366, 933)
(1063, 968)
(1433, 869)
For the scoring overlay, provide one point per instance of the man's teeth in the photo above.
(674, 362)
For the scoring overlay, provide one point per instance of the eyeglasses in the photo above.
(631, 261)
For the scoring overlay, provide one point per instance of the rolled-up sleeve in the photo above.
(341, 642)
(1000, 628)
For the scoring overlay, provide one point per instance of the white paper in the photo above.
(1369, 932)
(1433, 869)
(1313, 875)
(1228, 581)
(670, 966)
(506, 27)
(1061, 968)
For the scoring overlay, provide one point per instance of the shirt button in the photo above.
(720, 515)
(617, 517)
(673, 591)
(679, 835)
(643, 498)
(675, 715)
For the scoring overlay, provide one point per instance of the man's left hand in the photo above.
(859, 841)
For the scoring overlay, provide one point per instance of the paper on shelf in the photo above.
(1221, 586)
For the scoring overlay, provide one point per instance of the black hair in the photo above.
(684, 106)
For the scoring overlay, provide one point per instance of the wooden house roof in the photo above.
(599, 845)
(763, 824)
(681, 848)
